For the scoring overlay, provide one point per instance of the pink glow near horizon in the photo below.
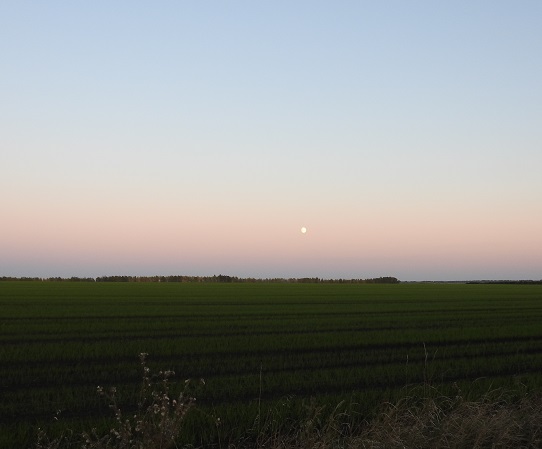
(142, 240)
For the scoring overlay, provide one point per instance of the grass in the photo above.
(155, 423)
(255, 345)
(440, 422)
(422, 419)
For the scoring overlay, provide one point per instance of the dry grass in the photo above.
(416, 422)
(495, 421)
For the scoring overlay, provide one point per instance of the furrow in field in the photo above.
(275, 363)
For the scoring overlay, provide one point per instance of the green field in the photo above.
(256, 342)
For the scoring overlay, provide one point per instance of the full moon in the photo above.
(303, 230)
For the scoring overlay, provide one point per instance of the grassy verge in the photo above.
(423, 418)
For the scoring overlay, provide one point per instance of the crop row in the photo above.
(30, 375)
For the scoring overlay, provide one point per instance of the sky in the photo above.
(198, 138)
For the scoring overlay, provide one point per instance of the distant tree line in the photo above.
(220, 278)
(525, 281)
(230, 279)
(51, 279)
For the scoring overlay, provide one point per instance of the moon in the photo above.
(303, 230)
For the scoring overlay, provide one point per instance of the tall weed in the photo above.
(156, 424)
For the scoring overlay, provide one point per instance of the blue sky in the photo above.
(197, 138)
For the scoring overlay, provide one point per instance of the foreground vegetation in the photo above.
(264, 351)
(421, 420)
